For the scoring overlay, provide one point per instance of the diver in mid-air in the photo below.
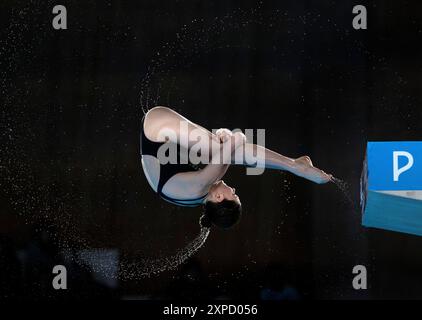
(186, 185)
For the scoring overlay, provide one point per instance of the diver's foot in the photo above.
(304, 161)
(305, 169)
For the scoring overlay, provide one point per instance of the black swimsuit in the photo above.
(168, 170)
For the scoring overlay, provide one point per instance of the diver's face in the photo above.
(221, 191)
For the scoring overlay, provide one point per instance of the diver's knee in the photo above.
(159, 109)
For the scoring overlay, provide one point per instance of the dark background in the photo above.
(71, 104)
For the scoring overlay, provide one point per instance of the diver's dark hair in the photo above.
(224, 214)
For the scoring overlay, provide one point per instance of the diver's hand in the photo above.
(223, 135)
(239, 139)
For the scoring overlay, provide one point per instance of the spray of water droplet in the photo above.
(149, 267)
(344, 187)
(143, 267)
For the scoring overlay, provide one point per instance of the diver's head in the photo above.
(222, 207)
(220, 191)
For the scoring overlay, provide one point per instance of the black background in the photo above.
(70, 166)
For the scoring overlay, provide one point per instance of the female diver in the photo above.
(186, 185)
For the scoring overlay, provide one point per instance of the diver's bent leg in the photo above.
(260, 157)
(161, 123)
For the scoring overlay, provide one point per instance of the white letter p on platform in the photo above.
(398, 171)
